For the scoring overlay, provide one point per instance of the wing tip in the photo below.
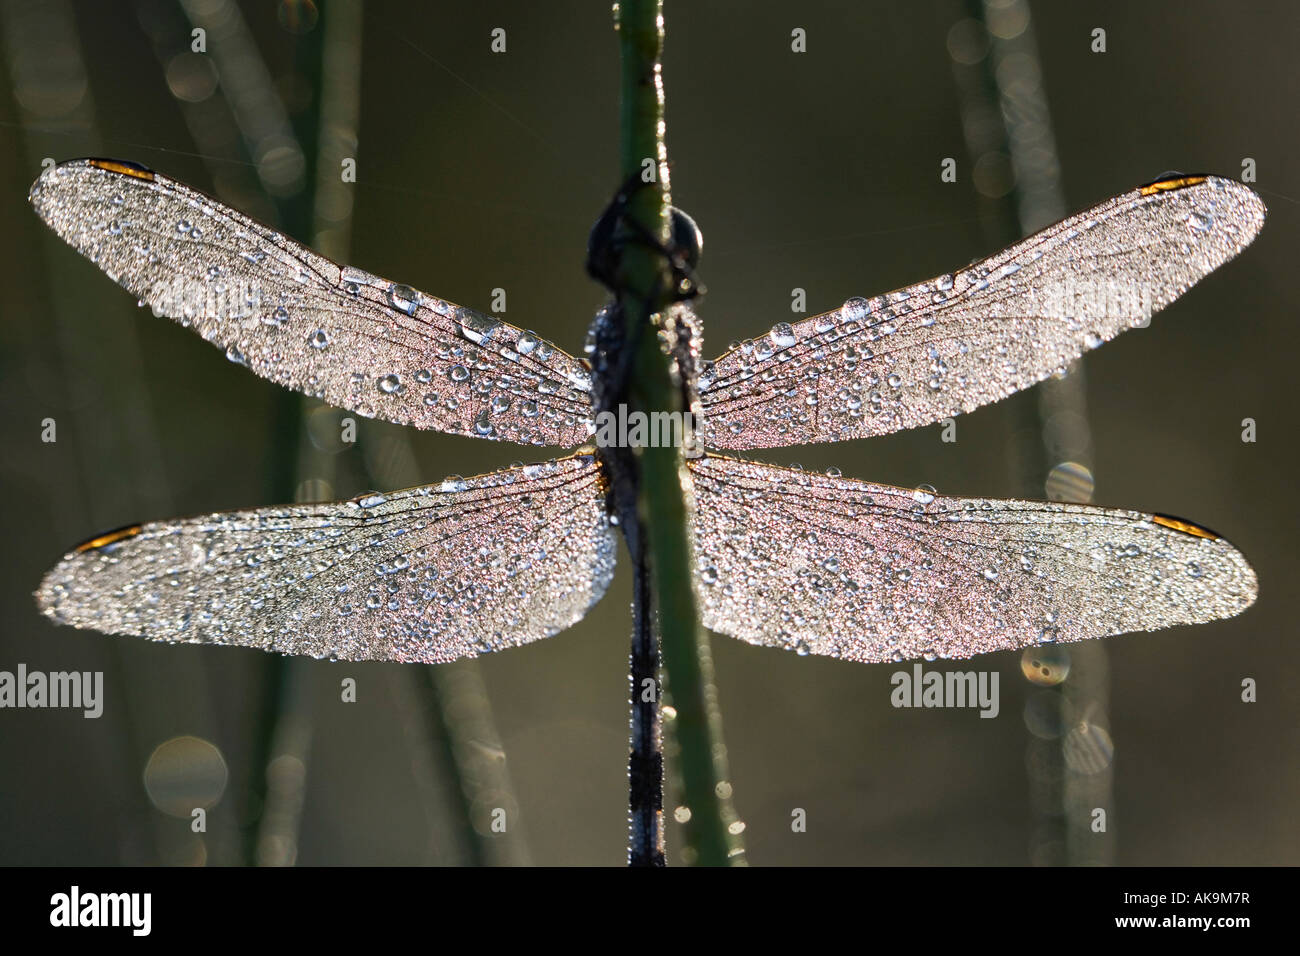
(1247, 592)
(1253, 204)
(46, 596)
(120, 167)
(53, 593)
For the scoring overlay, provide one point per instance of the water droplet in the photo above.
(403, 298)
(279, 316)
(924, 494)
(990, 574)
(371, 500)
(580, 378)
(478, 328)
(458, 373)
(183, 226)
(855, 309)
(782, 335)
(114, 228)
(390, 384)
(1092, 340)
(453, 483)
(319, 339)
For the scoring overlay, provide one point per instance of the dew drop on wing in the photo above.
(478, 328)
(855, 309)
(403, 298)
(782, 335)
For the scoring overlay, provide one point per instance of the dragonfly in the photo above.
(815, 563)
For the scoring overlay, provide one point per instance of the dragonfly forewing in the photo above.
(867, 572)
(376, 347)
(939, 348)
(428, 574)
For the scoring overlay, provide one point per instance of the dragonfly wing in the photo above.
(867, 572)
(428, 574)
(333, 332)
(943, 347)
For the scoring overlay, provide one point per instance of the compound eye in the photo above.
(687, 238)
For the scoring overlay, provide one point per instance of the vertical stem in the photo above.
(663, 506)
(642, 112)
(1005, 81)
(296, 216)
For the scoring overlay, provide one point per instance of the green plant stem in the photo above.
(296, 214)
(663, 507)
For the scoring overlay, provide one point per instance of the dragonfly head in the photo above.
(614, 231)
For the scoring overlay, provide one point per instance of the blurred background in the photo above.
(478, 170)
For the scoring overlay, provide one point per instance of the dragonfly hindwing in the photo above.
(867, 572)
(428, 574)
